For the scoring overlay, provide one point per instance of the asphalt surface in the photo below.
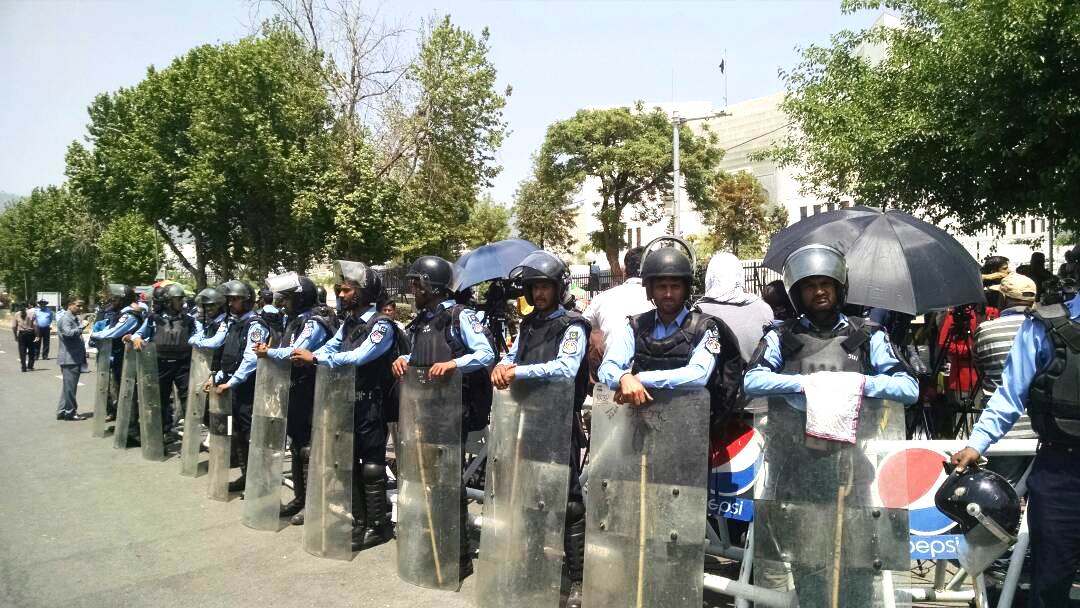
(83, 524)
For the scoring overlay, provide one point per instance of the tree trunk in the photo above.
(612, 254)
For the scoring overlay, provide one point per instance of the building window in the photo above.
(629, 237)
(1032, 226)
(1014, 227)
(803, 212)
(830, 206)
(1043, 224)
(638, 231)
(817, 209)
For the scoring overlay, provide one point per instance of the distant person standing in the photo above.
(594, 278)
(744, 313)
(71, 359)
(44, 319)
(24, 328)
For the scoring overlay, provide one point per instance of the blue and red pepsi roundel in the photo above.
(735, 459)
(908, 479)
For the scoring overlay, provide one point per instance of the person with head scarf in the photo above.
(744, 313)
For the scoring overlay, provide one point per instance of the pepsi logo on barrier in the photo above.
(735, 461)
(908, 479)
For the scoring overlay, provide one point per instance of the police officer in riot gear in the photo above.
(321, 306)
(551, 343)
(368, 341)
(170, 330)
(306, 330)
(234, 367)
(813, 470)
(210, 319)
(270, 312)
(125, 318)
(445, 336)
(1042, 377)
(670, 347)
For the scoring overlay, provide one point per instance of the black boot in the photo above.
(377, 529)
(574, 544)
(239, 484)
(299, 484)
(465, 565)
(359, 507)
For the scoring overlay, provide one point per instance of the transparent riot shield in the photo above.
(328, 520)
(528, 476)
(220, 445)
(103, 380)
(193, 413)
(819, 515)
(150, 424)
(429, 480)
(125, 400)
(262, 493)
(647, 500)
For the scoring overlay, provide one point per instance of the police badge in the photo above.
(712, 342)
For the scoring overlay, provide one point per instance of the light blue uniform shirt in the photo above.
(619, 358)
(44, 317)
(256, 333)
(1031, 352)
(887, 380)
(311, 337)
(128, 323)
(199, 340)
(377, 343)
(565, 364)
(480, 354)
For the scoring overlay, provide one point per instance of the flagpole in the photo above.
(723, 69)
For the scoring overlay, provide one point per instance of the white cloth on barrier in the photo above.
(833, 401)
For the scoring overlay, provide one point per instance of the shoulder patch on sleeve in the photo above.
(712, 342)
(306, 333)
(257, 333)
(378, 333)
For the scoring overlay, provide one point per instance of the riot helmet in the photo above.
(320, 294)
(266, 297)
(209, 302)
(542, 266)
(432, 274)
(366, 283)
(988, 510)
(238, 289)
(121, 294)
(159, 297)
(298, 291)
(666, 262)
(815, 260)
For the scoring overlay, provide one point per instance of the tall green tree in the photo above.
(130, 252)
(453, 132)
(969, 110)
(629, 152)
(227, 147)
(545, 215)
(488, 222)
(48, 242)
(737, 213)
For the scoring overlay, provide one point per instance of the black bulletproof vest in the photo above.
(171, 333)
(433, 342)
(806, 350)
(231, 353)
(1054, 395)
(117, 343)
(373, 379)
(539, 340)
(671, 352)
(303, 373)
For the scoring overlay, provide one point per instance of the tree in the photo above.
(736, 209)
(970, 113)
(629, 150)
(221, 148)
(48, 241)
(452, 135)
(545, 216)
(130, 251)
(488, 222)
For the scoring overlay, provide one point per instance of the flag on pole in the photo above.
(723, 60)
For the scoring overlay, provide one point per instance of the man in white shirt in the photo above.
(608, 311)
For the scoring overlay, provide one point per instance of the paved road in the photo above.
(83, 524)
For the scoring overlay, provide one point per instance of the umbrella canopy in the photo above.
(895, 261)
(491, 261)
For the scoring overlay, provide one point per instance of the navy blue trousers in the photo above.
(1054, 522)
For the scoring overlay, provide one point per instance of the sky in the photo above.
(558, 56)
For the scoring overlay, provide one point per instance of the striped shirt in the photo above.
(993, 340)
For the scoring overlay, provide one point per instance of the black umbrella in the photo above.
(895, 261)
(491, 261)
